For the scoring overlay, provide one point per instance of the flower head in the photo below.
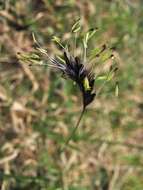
(75, 70)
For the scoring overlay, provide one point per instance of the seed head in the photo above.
(75, 70)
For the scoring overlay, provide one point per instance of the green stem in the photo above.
(74, 130)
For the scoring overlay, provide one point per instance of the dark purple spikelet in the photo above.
(75, 70)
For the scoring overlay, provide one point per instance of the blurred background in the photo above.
(38, 109)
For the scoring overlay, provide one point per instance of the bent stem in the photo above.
(74, 130)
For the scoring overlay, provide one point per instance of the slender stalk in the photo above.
(74, 130)
(75, 44)
(85, 54)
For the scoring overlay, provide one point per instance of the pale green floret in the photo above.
(86, 84)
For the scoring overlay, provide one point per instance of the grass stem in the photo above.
(73, 131)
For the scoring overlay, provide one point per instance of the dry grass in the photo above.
(38, 108)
